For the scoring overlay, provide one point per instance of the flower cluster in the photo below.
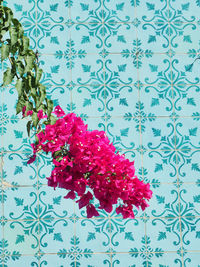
(87, 164)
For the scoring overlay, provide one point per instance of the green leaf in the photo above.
(87, 253)
(7, 77)
(19, 86)
(123, 102)
(28, 127)
(38, 75)
(58, 237)
(49, 106)
(25, 40)
(20, 104)
(13, 35)
(29, 59)
(35, 119)
(5, 49)
(20, 67)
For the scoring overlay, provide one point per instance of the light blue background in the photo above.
(122, 65)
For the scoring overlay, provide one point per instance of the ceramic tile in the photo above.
(125, 67)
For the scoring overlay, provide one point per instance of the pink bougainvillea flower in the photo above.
(58, 111)
(86, 159)
(32, 159)
(23, 111)
(29, 113)
(41, 115)
(91, 211)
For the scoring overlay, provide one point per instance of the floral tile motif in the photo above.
(128, 68)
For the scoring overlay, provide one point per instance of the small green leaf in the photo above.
(7, 77)
(13, 35)
(5, 49)
(153, 68)
(156, 132)
(84, 7)
(19, 86)
(28, 127)
(152, 38)
(193, 131)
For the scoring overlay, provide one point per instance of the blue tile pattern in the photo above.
(124, 67)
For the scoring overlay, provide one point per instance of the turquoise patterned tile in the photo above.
(17, 139)
(86, 69)
(85, 40)
(93, 234)
(53, 39)
(54, 205)
(55, 72)
(21, 203)
(133, 259)
(88, 101)
(21, 260)
(125, 67)
(97, 260)
(158, 134)
(85, 13)
(123, 133)
(53, 11)
(164, 203)
(55, 234)
(162, 235)
(192, 259)
(20, 239)
(61, 260)
(16, 169)
(126, 235)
